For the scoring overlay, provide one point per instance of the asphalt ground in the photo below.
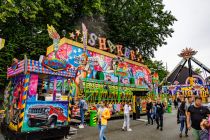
(141, 131)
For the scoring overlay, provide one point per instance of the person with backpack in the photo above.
(182, 117)
(83, 108)
(127, 109)
(160, 109)
(103, 116)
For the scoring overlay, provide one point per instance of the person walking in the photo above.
(182, 118)
(149, 111)
(103, 116)
(160, 108)
(195, 114)
(127, 109)
(83, 108)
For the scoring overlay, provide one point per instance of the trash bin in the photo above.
(93, 118)
(169, 108)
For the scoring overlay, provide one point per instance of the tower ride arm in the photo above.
(200, 64)
(183, 61)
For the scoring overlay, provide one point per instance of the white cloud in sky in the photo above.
(191, 30)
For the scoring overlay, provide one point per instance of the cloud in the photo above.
(191, 30)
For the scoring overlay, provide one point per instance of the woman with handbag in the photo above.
(182, 118)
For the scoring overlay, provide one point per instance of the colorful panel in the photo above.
(42, 115)
(15, 69)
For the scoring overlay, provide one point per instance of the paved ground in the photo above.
(140, 131)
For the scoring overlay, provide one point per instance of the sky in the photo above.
(191, 30)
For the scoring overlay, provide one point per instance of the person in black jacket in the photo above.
(160, 108)
(149, 110)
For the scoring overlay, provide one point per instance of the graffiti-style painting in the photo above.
(101, 67)
(40, 115)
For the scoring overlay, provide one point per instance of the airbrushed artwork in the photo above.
(40, 115)
(98, 66)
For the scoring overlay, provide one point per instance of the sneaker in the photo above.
(161, 129)
(129, 129)
(123, 129)
(180, 135)
(81, 126)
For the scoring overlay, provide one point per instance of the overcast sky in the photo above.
(191, 30)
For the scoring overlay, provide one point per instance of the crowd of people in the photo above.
(191, 116)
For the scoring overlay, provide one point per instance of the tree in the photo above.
(198, 71)
(157, 66)
(139, 24)
(23, 24)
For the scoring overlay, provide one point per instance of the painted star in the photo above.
(72, 35)
(78, 32)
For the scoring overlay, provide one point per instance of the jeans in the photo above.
(149, 117)
(82, 115)
(101, 129)
(159, 120)
(183, 124)
(126, 121)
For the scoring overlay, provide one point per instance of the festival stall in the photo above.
(37, 99)
(104, 71)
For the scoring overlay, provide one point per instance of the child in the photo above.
(127, 109)
(204, 135)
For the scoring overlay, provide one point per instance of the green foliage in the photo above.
(23, 23)
(197, 70)
(157, 66)
(142, 24)
(139, 24)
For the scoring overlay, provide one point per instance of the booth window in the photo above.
(52, 87)
(45, 87)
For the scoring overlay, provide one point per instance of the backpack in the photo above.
(85, 106)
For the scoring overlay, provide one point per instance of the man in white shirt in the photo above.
(127, 109)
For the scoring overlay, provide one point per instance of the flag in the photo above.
(2, 42)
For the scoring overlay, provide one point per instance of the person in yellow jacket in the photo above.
(103, 116)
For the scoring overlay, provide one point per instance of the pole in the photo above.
(118, 94)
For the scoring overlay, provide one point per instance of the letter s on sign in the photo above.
(92, 40)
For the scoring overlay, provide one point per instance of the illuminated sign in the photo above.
(55, 64)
